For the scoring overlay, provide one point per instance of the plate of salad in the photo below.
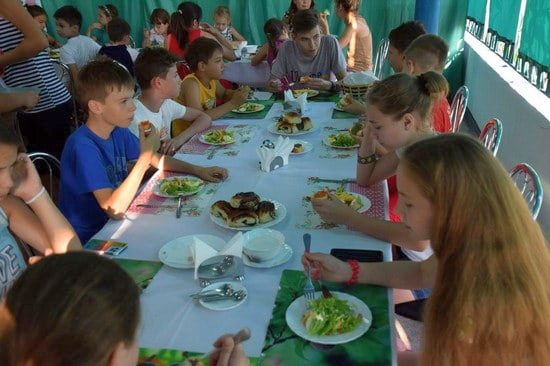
(173, 187)
(342, 140)
(217, 137)
(249, 107)
(333, 320)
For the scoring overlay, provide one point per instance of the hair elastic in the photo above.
(36, 196)
(106, 10)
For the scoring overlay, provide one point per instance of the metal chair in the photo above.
(491, 135)
(380, 59)
(458, 107)
(528, 182)
(51, 173)
(64, 74)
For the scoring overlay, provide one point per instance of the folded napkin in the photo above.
(276, 157)
(202, 251)
(261, 95)
(296, 103)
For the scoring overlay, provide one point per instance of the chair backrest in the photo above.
(49, 168)
(381, 55)
(491, 135)
(183, 69)
(528, 182)
(458, 107)
(64, 74)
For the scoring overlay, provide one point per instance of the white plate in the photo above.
(177, 253)
(307, 146)
(224, 304)
(338, 108)
(310, 92)
(325, 141)
(280, 212)
(364, 200)
(273, 129)
(157, 191)
(260, 107)
(203, 140)
(285, 253)
(294, 320)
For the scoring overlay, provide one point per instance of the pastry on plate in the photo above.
(298, 148)
(266, 211)
(245, 200)
(221, 209)
(242, 218)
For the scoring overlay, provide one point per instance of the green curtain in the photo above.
(503, 17)
(535, 37)
(476, 9)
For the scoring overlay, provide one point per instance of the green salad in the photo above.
(249, 107)
(178, 186)
(330, 316)
(219, 137)
(342, 140)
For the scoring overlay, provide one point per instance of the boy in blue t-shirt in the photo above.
(95, 182)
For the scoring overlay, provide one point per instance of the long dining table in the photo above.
(170, 319)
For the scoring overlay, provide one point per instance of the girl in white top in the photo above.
(159, 19)
(28, 211)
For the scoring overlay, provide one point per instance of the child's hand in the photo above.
(212, 174)
(355, 107)
(317, 84)
(25, 177)
(208, 28)
(369, 140)
(240, 96)
(275, 85)
(171, 146)
(95, 26)
(150, 143)
(28, 99)
(332, 210)
(146, 33)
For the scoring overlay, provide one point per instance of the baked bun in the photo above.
(286, 127)
(292, 118)
(146, 127)
(306, 124)
(242, 218)
(266, 211)
(221, 209)
(304, 79)
(321, 195)
(245, 200)
(298, 148)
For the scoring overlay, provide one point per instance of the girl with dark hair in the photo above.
(98, 30)
(185, 27)
(296, 5)
(276, 33)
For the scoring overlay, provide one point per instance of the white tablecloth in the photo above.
(169, 319)
(243, 73)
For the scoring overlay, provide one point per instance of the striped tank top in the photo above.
(36, 72)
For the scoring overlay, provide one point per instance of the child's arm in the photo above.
(211, 32)
(93, 26)
(211, 174)
(115, 202)
(345, 38)
(44, 227)
(52, 42)
(236, 35)
(12, 101)
(355, 107)
(373, 172)
(199, 122)
(74, 74)
(146, 38)
(323, 23)
(260, 56)
(33, 40)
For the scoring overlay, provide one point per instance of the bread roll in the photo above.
(298, 148)
(245, 200)
(287, 127)
(266, 211)
(242, 218)
(292, 118)
(221, 209)
(306, 124)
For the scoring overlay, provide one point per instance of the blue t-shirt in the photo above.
(11, 258)
(89, 163)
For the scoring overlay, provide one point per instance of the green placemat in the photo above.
(283, 347)
(257, 115)
(343, 115)
(169, 357)
(142, 272)
(323, 96)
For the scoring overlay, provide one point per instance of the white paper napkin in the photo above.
(300, 102)
(202, 251)
(261, 95)
(282, 148)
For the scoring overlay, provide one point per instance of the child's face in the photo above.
(160, 27)
(8, 162)
(214, 67)
(415, 209)
(170, 86)
(118, 108)
(64, 29)
(41, 20)
(308, 42)
(389, 132)
(395, 58)
(102, 17)
(221, 23)
(302, 4)
(284, 35)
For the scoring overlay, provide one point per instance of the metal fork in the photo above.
(309, 290)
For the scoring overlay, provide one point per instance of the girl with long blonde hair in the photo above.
(491, 265)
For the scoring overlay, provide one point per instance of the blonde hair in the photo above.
(491, 299)
(429, 52)
(403, 93)
(223, 11)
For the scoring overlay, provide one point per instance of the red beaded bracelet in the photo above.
(354, 272)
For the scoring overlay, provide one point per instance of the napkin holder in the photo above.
(220, 268)
(274, 155)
